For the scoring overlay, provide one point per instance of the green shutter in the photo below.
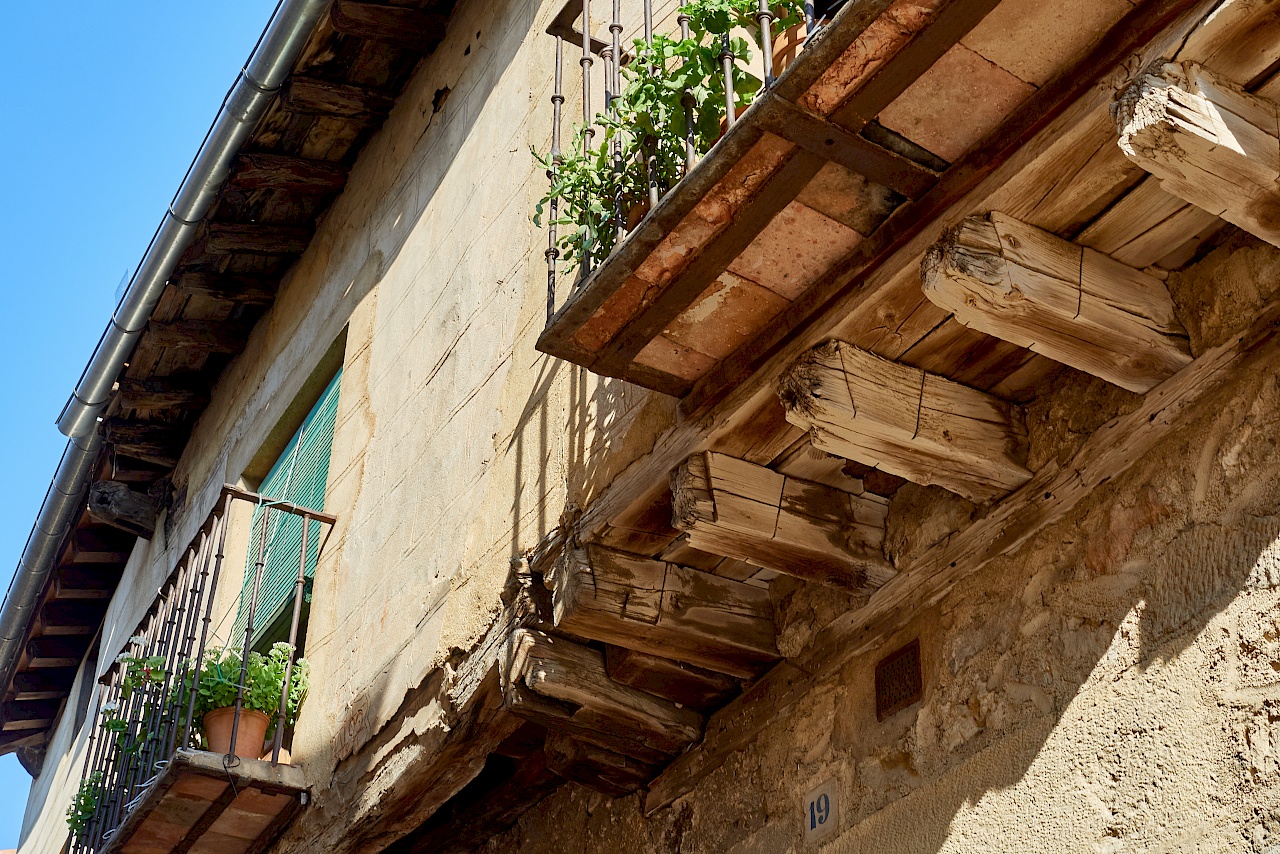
(298, 477)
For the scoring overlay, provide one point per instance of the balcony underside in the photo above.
(196, 804)
(870, 138)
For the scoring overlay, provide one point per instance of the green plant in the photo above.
(219, 682)
(138, 673)
(84, 804)
(603, 172)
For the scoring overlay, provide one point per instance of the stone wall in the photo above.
(1113, 685)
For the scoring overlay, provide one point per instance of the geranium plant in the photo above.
(84, 804)
(263, 685)
(642, 136)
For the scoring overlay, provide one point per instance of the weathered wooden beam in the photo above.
(224, 238)
(663, 609)
(1071, 303)
(595, 767)
(163, 393)
(906, 421)
(282, 172)
(834, 143)
(71, 618)
(117, 505)
(563, 686)
(150, 441)
(98, 544)
(736, 509)
(1208, 141)
(43, 684)
(214, 336)
(86, 581)
(56, 652)
(30, 714)
(309, 96)
(681, 683)
(399, 26)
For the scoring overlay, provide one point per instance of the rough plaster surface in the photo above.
(1112, 686)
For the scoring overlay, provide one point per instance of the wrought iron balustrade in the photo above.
(148, 701)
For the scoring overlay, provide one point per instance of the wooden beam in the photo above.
(1068, 302)
(30, 714)
(151, 441)
(1209, 142)
(43, 684)
(681, 683)
(225, 238)
(282, 172)
(906, 421)
(834, 143)
(663, 609)
(595, 767)
(98, 544)
(117, 505)
(736, 509)
(71, 618)
(1053, 493)
(86, 581)
(56, 652)
(163, 393)
(213, 336)
(309, 96)
(563, 686)
(399, 26)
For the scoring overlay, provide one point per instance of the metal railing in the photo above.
(573, 26)
(149, 706)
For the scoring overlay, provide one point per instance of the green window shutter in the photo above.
(298, 477)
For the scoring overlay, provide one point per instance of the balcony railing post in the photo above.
(809, 21)
(686, 100)
(615, 76)
(553, 249)
(651, 154)
(248, 628)
(726, 67)
(198, 662)
(588, 130)
(298, 586)
(764, 18)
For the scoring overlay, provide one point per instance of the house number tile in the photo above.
(821, 811)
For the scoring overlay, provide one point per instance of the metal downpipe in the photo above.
(272, 59)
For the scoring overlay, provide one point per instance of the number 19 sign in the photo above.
(821, 812)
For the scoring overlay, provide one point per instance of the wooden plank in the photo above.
(56, 652)
(906, 421)
(860, 279)
(98, 544)
(49, 684)
(119, 506)
(775, 193)
(595, 767)
(86, 581)
(224, 238)
(740, 510)
(211, 336)
(310, 96)
(260, 170)
(201, 826)
(677, 681)
(1065, 301)
(163, 393)
(28, 714)
(1210, 143)
(70, 618)
(663, 609)
(1046, 499)
(412, 29)
(834, 143)
(564, 686)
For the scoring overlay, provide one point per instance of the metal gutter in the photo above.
(257, 84)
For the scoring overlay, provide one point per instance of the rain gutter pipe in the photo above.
(259, 81)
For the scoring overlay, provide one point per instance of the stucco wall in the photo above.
(1112, 686)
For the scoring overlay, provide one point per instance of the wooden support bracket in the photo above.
(663, 609)
(906, 421)
(119, 506)
(736, 509)
(1209, 142)
(417, 30)
(1068, 302)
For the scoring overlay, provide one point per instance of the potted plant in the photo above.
(218, 686)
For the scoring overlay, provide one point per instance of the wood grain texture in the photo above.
(1209, 142)
(1068, 302)
(906, 421)
(663, 609)
(739, 510)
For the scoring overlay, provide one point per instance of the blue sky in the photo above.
(104, 106)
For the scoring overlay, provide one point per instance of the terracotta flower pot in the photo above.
(787, 45)
(249, 738)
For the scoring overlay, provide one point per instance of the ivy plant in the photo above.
(642, 136)
(84, 804)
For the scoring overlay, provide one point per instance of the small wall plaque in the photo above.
(899, 681)
(821, 812)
